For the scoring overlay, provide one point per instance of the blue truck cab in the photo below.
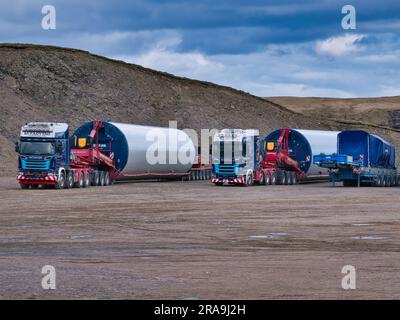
(235, 156)
(43, 153)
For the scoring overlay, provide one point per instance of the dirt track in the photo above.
(194, 240)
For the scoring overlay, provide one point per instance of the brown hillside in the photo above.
(41, 83)
(381, 112)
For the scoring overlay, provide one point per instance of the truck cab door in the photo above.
(60, 155)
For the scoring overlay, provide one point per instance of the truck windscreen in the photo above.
(227, 151)
(37, 148)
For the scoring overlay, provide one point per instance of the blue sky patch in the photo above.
(267, 48)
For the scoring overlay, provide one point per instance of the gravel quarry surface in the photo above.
(194, 240)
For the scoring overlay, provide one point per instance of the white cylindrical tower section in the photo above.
(144, 151)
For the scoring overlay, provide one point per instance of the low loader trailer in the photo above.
(361, 159)
(239, 158)
(276, 165)
(98, 153)
(283, 157)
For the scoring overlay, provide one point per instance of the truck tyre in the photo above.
(80, 183)
(262, 179)
(102, 178)
(70, 180)
(383, 181)
(387, 181)
(286, 175)
(267, 178)
(61, 181)
(274, 178)
(290, 177)
(280, 177)
(294, 178)
(95, 178)
(107, 178)
(379, 181)
(24, 186)
(86, 183)
(249, 180)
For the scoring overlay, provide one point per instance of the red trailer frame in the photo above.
(277, 167)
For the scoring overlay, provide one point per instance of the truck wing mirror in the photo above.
(17, 146)
(73, 141)
(59, 147)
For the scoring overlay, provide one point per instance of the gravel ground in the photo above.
(180, 240)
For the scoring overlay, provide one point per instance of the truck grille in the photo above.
(227, 169)
(32, 164)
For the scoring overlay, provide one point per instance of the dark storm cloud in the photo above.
(266, 47)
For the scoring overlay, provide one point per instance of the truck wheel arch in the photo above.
(61, 171)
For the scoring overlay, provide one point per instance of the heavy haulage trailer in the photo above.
(361, 159)
(98, 153)
(101, 152)
(283, 157)
(48, 157)
(286, 155)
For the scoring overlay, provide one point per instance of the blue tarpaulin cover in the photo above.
(367, 148)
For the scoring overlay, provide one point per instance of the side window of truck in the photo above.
(59, 147)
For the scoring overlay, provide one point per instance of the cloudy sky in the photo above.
(268, 47)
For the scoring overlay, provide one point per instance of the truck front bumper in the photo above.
(49, 180)
(240, 180)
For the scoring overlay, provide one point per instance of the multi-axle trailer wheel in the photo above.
(83, 179)
(277, 177)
